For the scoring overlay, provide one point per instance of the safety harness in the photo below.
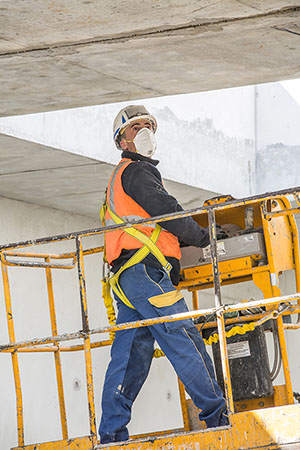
(148, 247)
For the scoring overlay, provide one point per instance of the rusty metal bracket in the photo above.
(51, 265)
(273, 315)
(266, 206)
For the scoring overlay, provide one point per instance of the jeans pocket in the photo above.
(156, 275)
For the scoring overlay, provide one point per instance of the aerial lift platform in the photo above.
(262, 243)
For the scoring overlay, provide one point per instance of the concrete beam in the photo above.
(57, 54)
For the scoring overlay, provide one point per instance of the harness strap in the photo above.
(137, 234)
(135, 259)
(148, 247)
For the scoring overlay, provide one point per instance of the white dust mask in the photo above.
(145, 142)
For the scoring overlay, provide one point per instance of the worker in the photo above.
(146, 268)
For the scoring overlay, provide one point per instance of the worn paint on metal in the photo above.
(248, 429)
(270, 428)
(279, 398)
(87, 343)
(184, 406)
(57, 358)
(82, 443)
(147, 322)
(14, 356)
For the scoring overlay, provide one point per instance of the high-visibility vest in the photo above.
(126, 208)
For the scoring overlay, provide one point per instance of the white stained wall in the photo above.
(241, 141)
(20, 221)
(277, 139)
(204, 140)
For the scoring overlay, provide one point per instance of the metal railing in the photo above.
(9, 252)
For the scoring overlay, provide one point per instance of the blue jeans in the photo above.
(132, 351)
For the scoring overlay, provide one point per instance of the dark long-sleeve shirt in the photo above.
(143, 183)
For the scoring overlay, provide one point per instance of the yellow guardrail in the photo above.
(9, 253)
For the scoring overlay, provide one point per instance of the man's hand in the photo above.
(221, 234)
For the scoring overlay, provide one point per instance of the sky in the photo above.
(293, 88)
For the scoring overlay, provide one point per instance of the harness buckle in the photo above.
(105, 271)
(168, 268)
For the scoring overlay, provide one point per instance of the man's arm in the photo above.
(142, 182)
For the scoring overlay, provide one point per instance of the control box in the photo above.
(234, 247)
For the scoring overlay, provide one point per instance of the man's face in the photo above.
(130, 133)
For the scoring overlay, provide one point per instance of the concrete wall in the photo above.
(205, 140)
(157, 407)
(277, 139)
(227, 141)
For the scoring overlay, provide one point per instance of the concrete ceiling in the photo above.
(57, 179)
(57, 54)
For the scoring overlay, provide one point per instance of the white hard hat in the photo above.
(128, 115)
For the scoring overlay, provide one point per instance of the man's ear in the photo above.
(123, 144)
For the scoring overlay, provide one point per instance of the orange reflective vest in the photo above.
(126, 208)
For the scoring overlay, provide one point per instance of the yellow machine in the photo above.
(262, 243)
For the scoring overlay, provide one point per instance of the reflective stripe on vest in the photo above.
(127, 209)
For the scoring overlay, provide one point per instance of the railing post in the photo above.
(57, 358)
(218, 304)
(14, 356)
(87, 342)
(195, 300)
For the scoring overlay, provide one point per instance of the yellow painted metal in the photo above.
(248, 429)
(195, 300)
(296, 250)
(89, 251)
(203, 274)
(184, 409)
(284, 212)
(279, 398)
(53, 348)
(49, 256)
(81, 443)
(285, 361)
(89, 384)
(57, 359)
(147, 322)
(282, 247)
(269, 428)
(249, 317)
(225, 363)
(14, 356)
(262, 281)
(280, 395)
(87, 344)
(156, 433)
(291, 326)
(193, 416)
(4, 260)
(278, 239)
(281, 239)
